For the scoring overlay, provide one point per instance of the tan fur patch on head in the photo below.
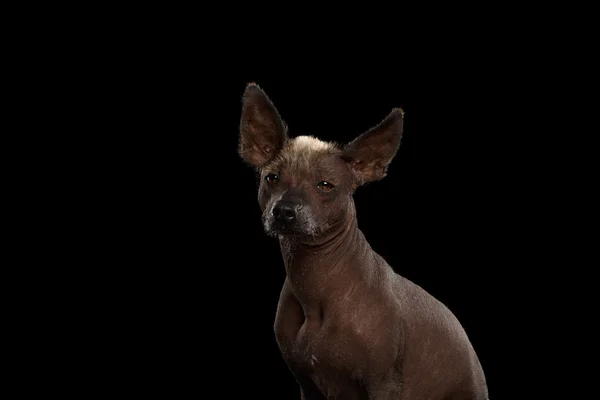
(310, 143)
(301, 152)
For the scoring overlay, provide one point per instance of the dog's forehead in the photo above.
(305, 153)
(306, 143)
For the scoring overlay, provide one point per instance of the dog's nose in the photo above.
(284, 212)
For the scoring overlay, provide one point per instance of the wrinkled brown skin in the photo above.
(347, 325)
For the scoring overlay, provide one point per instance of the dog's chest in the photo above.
(328, 344)
(333, 354)
(314, 345)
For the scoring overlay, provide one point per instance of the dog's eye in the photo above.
(325, 186)
(271, 178)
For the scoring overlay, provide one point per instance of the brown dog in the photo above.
(347, 325)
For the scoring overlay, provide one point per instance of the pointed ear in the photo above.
(370, 154)
(262, 131)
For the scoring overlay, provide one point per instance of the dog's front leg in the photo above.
(392, 394)
(308, 389)
(384, 389)
(288, 321)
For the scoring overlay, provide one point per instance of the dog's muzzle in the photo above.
(289, 217)
(285, 213)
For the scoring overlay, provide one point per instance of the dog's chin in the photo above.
(277, 230)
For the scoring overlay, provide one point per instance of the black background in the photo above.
(193, 282)
(164, 283)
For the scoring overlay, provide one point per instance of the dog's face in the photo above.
(306, 184)
(305, 188)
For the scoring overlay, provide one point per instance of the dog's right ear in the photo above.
(370, 154)
(262, 131)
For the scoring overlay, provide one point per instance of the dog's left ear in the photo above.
(370, 154)
(262, 131)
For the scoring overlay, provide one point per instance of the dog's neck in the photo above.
(327, 269)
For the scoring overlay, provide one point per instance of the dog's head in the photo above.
(306, 184)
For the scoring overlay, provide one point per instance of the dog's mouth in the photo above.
(278, 228)
(302, 225)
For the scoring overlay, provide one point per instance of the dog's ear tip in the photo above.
(397, 112)
(253, 87)
(253, 91)
(394, 120)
